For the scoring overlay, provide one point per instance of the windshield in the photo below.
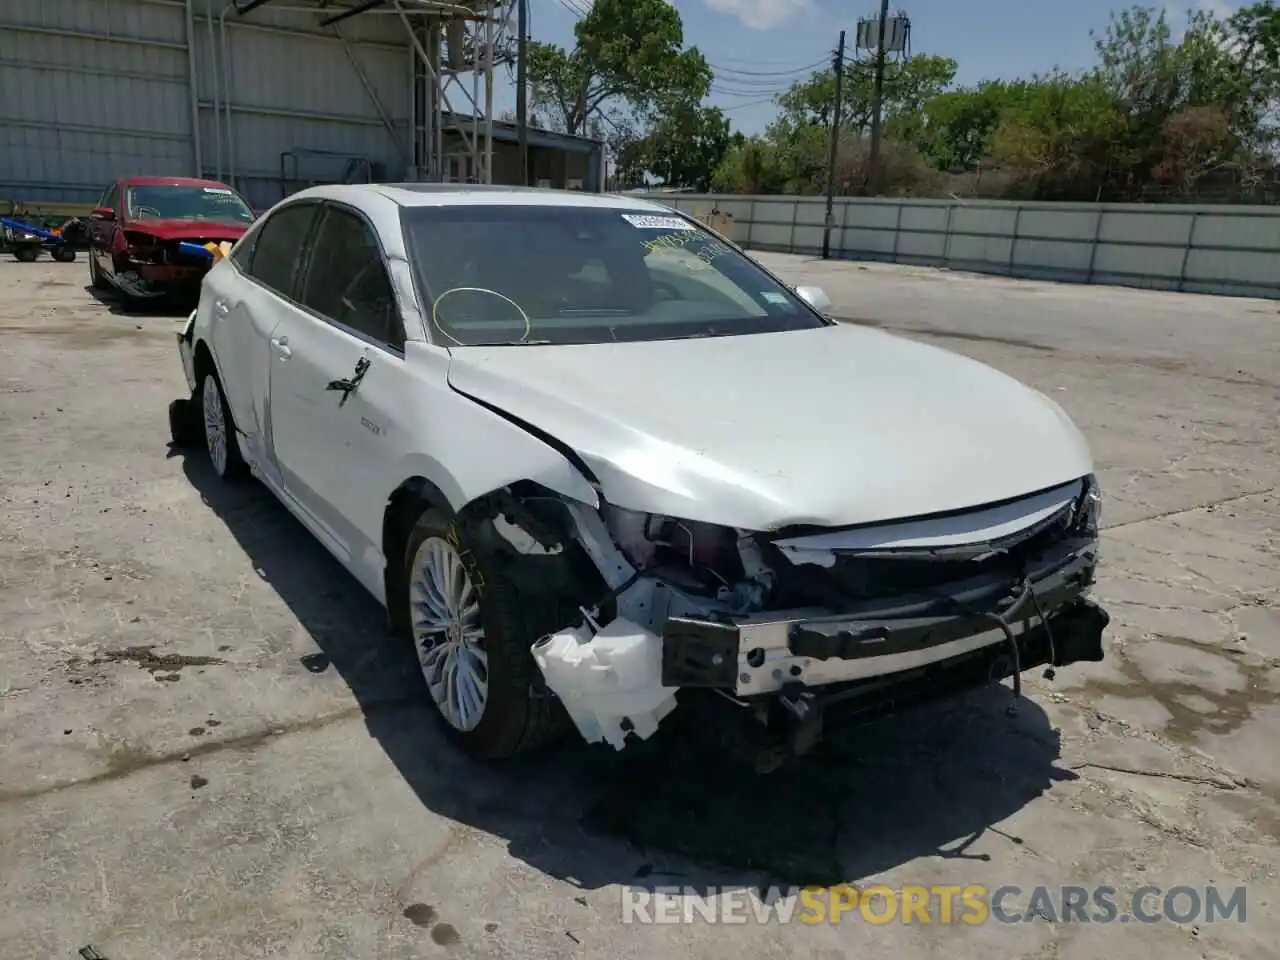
(494, 274)
(175, 202)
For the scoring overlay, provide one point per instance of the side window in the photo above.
(281, 240)
(111, 199)
(347, 280)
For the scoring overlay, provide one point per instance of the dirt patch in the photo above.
(1221, 713)
(147, 658)
(445, 934)
(420, 914)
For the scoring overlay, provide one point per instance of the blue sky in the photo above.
(746, 39)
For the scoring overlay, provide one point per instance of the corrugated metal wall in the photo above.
(1233, 250)
(95, 89)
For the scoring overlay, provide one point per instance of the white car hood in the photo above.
(832, 426)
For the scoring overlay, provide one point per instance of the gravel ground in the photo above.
(210, 750)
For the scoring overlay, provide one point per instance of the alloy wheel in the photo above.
(215, 424)
(445, 614)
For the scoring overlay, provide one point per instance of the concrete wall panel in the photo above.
(1209, 249)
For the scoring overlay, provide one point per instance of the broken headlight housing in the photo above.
(650, 540)
(704, 558)
(1088, 508)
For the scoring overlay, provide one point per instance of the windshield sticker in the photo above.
(700, 257)
(645, 222)
(222, 191)
(772, 297)
(669, 241)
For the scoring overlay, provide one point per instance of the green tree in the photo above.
(1158, 115)
(683, 148)
(792, 155)
(629, 56)
(953, 130)
(1255, 33)
(1154, 117)
(750, 165)
(908, 85)
(1188, 106)
(1057, 136)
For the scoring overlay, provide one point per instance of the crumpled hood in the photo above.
(832, 426)
(188, 229)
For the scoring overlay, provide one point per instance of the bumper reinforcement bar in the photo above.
(803, 716)
(710, 654)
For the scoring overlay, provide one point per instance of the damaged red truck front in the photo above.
(153, 237)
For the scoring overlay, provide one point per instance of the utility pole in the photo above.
(877, 106)
(831, 155)
(522, 87)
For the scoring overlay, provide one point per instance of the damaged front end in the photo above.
(783, 633)
(148, 267)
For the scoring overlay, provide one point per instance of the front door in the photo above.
(333, 396)
(102, 231)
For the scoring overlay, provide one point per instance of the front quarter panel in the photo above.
(466, 450)
(186, 349)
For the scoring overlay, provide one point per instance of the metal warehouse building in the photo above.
(270, 95)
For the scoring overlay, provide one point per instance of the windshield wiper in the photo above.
(509, 343)
(702, 334)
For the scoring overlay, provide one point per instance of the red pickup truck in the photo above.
(146, 231)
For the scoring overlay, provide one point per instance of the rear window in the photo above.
(515, 274)
(182, 202)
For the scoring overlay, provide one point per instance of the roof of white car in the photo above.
(473, 194)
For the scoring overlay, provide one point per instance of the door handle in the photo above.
(281, 345)
(220, 308)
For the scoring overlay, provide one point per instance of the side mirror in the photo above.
(815, 297)
(103, 213)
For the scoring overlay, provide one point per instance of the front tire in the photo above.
(26, 253)
(220, 432)
(472, 640)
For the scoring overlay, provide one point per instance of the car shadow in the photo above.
(925, 783)
(119, 305)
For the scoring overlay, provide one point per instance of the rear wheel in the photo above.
(219, 431)
(63, 254)
(472, 641)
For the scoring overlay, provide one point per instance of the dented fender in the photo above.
(476, 451)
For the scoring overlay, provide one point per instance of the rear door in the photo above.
(333, 401)
(249, 295)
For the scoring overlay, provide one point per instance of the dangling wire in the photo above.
(435, 307)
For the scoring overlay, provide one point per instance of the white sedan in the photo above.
(596, 463)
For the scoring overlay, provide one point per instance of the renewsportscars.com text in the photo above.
(971, 905)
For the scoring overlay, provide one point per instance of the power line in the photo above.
(745, 83)
(575, 11)
(733, 92)
(734, 74)
(756, 63)
(749, 103)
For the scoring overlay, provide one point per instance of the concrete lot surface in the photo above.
(209, 750)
